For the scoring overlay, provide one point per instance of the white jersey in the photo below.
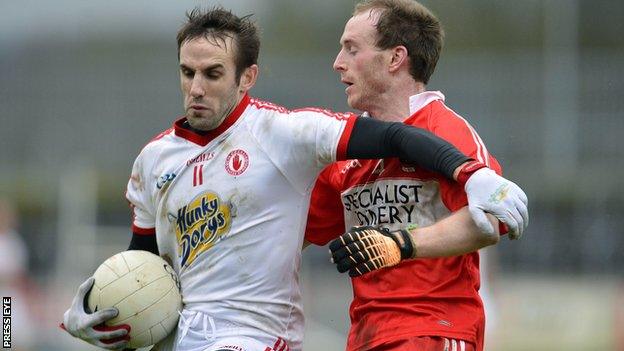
(229, 209)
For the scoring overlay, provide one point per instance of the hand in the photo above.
(491, 193)
(90, 326)
(365, 249)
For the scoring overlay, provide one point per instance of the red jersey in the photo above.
(434, 296)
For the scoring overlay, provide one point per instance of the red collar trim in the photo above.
(204, 139)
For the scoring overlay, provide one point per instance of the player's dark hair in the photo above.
(410, 24)
(218, 24)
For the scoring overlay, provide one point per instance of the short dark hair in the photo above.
(218, 23)
(410, 24)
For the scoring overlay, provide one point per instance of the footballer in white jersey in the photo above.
(223, 195)
(229, 209)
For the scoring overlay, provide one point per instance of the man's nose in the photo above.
(197, 88)
(339, 63)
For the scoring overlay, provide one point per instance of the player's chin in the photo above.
(354, 102)
(200, 121)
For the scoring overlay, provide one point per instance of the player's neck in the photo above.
(395, 105)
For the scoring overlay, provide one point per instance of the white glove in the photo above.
(491, 193)
(86, 326)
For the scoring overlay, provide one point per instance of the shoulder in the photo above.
(268, 107)
(157, 143)
(439, 111)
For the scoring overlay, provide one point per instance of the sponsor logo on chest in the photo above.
(200, 224)
(393, 203)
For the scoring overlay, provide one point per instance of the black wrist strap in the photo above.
(403, 239)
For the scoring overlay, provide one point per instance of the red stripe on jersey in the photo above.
(161, 134)
(280, 345)
(195, 176)
(201, 174)
(341, 153)
(143, 231)
(482, 153)
(158, 136)
(337, 115)
(266, 105)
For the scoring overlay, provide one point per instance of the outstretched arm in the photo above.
(487, 192)
(365, 249)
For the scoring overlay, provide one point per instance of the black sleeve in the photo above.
(372, 139)
(144, 242)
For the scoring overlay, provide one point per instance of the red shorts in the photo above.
(426, 343)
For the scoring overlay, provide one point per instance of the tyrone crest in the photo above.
(236, 162)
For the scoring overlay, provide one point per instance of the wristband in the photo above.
(468, 170)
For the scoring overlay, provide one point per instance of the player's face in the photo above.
(361, 64)
(208, 81)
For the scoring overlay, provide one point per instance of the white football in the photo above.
(145, 290)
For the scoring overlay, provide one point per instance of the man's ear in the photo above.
(399, 57)
(248, 78)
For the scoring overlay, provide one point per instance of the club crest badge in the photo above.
(236, 162)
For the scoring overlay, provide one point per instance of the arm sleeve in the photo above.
(143, 242)
(375, 139)
(325, 216)
(139, 197)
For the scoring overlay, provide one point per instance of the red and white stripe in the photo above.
(454, 345)
(280, 345)
(198, 175)
(483, 155)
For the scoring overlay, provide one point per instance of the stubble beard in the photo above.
(208, 123)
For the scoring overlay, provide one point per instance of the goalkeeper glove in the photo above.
(90, 326)
(490, 193)
(365, 249)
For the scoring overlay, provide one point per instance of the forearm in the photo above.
(452, 236)
(372, 139)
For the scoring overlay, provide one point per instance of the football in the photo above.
(145, 290)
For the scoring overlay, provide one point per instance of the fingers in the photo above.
(83, 290)
(481, 220)
(524, 213)
(521, 203)
(362, 268)
(345, 239)
(115, 333)
(350, 261)
(346, 251)
(515, 230)
(515, 216)
(117, 345)
(102, 316)
(519, 193)
(111, 334)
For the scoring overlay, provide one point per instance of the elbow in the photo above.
(489, 239)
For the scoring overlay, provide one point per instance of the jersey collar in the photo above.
(418, 101)
(203, 139)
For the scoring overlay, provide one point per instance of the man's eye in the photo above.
(187, 73)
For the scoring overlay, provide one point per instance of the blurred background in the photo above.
(85, 84)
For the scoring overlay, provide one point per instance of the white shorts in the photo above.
(199, 332)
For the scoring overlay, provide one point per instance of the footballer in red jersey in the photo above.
(412, 237)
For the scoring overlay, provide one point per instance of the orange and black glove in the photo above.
(365, 249)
